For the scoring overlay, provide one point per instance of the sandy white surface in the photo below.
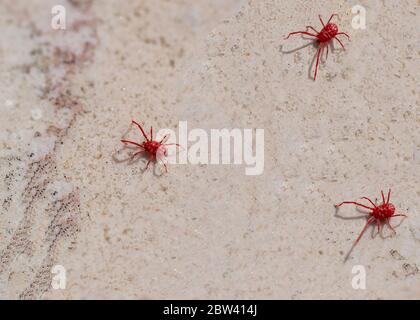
(206, 231)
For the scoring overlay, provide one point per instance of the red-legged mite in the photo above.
(156, 150)
(324, 38)
(378, 214)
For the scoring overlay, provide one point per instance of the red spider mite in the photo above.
(151, 147)
(379, 214)
(328, 33)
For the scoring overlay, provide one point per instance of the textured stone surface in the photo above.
(205, 231)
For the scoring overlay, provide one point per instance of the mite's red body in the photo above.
(324, 37)
(378, 214)
(156, 150)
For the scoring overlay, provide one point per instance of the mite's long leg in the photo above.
(355, 203)
(132, 142)
(378, 225)
(366, 198)
(327, 52)
(334, 14)
(342, 45)
(161, 163)
(151, 133)
(164, 164)
(320, 48)
(364, 229)
(389, 195)
(148, 162)
(137, 153)
(400, 220)
(321, 57)
(141, 129)
(300, 32)
(383, 197)
(322, 22)
(164, 139)
(389, 225)
(310, 27)
(343, 33)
